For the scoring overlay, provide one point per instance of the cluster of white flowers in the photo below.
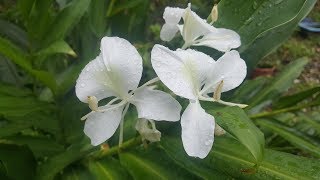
(188, 73)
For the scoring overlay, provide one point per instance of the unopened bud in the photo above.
(148, 133)
(214, 13)
(218, 91)
(218, 131)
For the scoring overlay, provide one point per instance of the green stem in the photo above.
(116, 149)
(289, 109)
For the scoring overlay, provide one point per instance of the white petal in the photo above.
(230, 68)
(168, 31)
(100, 126)
(123, 61)
(173, 15)
(194, 26)
(180, 70)
(197, 130)
(93, 81)
(156, 105)
(220, 39)
(201, 63)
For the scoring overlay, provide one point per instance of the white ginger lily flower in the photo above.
(193, 75)
(116, 72)
(196, 31)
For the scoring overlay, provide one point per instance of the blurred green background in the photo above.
(44, 44)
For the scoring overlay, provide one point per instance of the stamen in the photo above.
(93, 103)
(122, 124)
(217, 92)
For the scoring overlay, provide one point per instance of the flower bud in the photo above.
(218, 131)
(148, 133)
(214, 13)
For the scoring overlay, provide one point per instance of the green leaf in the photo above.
(235, 121)
(18, 162)
(230, 157)
(262, 25)
(280, 83)
(173, 147)
(25, 7)
(40, 146)
(248, 89)
(20, 58)
(65, 20)
(57, 163)
(97, 18)
(9, 90)
(293, 99)
(16, 106)
(310, 120)
(14, 33)
(152, 163)
(295, 137)
(108, 168)
(56, 48)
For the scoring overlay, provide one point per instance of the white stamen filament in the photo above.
(111, 107)
(217, 92)
(222, 102)
(121, 124)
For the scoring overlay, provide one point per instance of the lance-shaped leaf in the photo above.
(295, 137)
(235, 121)
(262, 25)
(152, 163)
(228, 156)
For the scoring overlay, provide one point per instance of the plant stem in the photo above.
(116, 149)
(289, 109)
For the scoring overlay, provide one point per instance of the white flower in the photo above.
(147, 133)
(116, 73)
(193, 75)
(196, 31)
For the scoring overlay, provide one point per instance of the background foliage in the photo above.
(45, 44)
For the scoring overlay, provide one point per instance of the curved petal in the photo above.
(156, 105)
(201, 63)
(168, 31)
(197, 130)
(93, 81)
(230, 68)
(123, 62)
(100, 126)
(172, 15)
(194, 26)
(180, 70)
(220, 39)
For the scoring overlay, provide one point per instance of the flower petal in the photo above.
(197, 130)
(180, 70)
(123, 62)
(172, 15)
(230, 68)
(156, 105)
(93, 81)
(168, 31)
(220, 39)
(100, 126)
(194, 26)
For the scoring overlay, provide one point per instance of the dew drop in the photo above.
(82, 85)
